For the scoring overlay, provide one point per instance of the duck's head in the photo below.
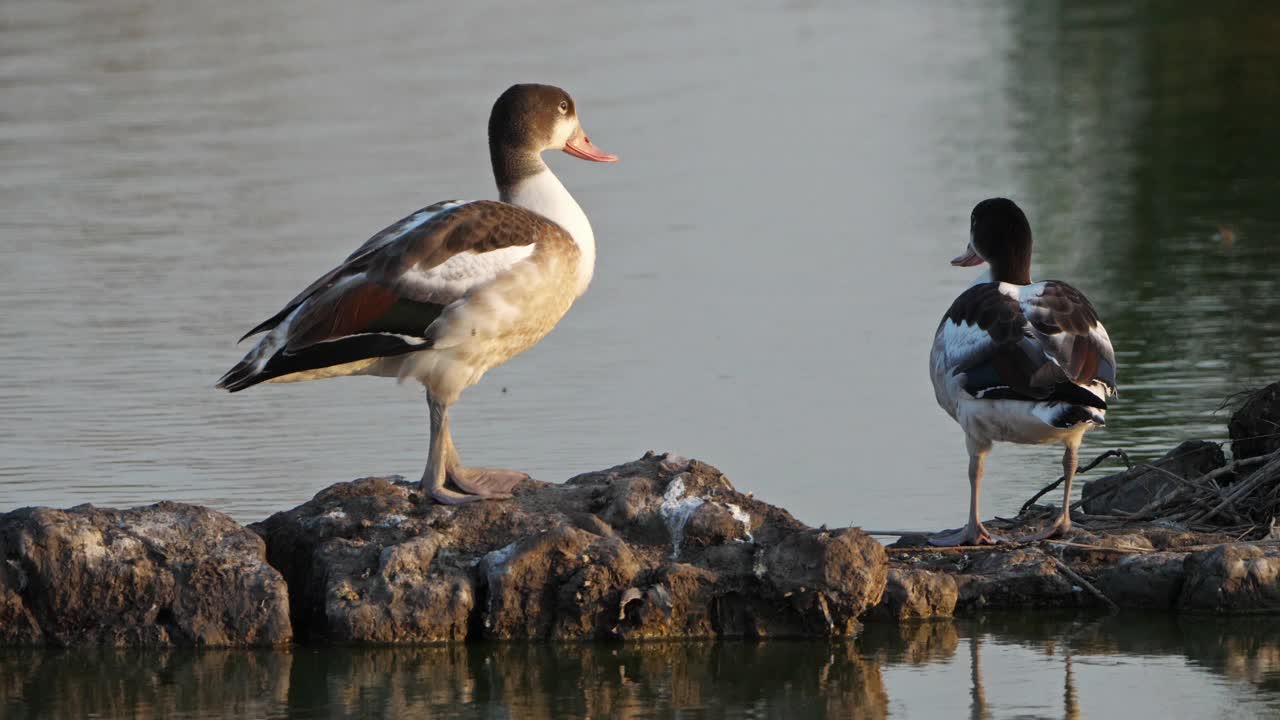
(530, 119)
(999, 234)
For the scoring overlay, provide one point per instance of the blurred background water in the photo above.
(773, 244)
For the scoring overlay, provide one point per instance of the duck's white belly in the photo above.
(1016, 421)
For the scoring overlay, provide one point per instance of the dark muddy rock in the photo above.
(1015, 579)
(1255, 427)
(1151, 581)
(927, 580)
(165, 574)
(1130, 490)
(1232, 579)
(1148, 566)
(660, 547)
(916, 594)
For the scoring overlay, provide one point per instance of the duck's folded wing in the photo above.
(987, 340)
(356, 261)
(1067, 326)
(383, 301)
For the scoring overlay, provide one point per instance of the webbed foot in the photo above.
(1059, 528)
(486, 483)
(968, 535)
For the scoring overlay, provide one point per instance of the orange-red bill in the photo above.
(579, 146)
(968, 259)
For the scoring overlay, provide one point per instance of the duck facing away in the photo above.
(1016, 361)
(450, 291)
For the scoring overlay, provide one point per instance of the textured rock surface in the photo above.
(1232, 579)
(1151, 581)
(165, 574)
(916, 594)
(660, 547)
(1136, 567)
(1130, 490)
(1020, 578)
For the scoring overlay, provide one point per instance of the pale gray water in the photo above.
(773, 244)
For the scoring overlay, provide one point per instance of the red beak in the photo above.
(968, 259)
(579, 146)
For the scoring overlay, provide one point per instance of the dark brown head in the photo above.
(526, 121)
(999, 234)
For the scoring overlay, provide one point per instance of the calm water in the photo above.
(773, 245)
(1052, 668)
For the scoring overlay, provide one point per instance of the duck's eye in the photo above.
(564, 106)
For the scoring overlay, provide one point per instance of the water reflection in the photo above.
(996, 667)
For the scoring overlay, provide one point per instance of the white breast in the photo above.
(544, 194)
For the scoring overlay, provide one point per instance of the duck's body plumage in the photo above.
(452, 290)
(1017, 361)
(441, 297)
(1022, 363)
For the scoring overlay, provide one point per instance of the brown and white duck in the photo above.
(1016, 361)
(452, 290)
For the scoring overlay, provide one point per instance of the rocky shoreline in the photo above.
(662, 547)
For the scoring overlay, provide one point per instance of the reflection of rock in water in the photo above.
(1240, 649)
(533, 681)
(580, 680)
(711, 679)
(914, 643)
(110, 683)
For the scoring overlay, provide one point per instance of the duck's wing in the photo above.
(384, 299)
(384, 237)
(986, 339)
(1067, 326)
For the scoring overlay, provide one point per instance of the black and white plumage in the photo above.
(1015, 361)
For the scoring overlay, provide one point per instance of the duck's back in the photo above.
(1038, 344)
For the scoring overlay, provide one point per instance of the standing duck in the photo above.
(452, 290)
(1016, 361)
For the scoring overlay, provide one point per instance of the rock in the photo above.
(562, 583)
(1130, 490)
(1013, 580)
(1255, 427)
(1232, 579)
(165, 574)
(715, 524)
(916, 594)
(1149, 581)
(663, 547)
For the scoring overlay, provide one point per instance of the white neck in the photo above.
(544, 194)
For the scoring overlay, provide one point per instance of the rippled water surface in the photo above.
(772, 248)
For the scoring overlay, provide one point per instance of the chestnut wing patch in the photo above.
(384, 300)
(1068, 327)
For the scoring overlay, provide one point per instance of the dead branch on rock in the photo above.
(1246, 508)
(1075, 577)
(1062, 478)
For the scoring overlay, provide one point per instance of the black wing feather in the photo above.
(1016, 365)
